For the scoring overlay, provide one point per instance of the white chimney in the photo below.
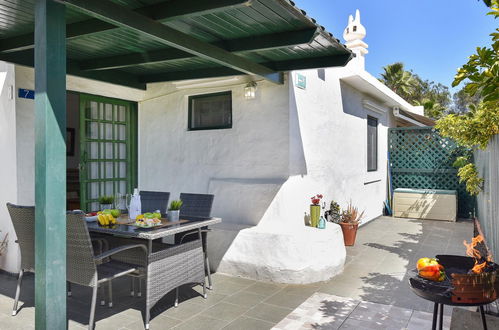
(353, 35)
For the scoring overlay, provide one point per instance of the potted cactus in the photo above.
(349, 223)
(315, 210)
(174, 210)
(333, 214)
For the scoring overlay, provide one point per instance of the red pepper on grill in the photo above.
(433, 273)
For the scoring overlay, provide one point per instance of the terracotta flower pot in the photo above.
(315, 214)
(349, 232)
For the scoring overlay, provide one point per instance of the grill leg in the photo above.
(435, 313)
(441, 323)
(132, 286)
(484, 321)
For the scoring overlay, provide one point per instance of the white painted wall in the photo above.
(8, 166)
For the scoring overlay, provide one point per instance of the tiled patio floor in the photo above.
(375, 272)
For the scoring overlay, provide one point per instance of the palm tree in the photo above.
(397, 79)
(432, 108)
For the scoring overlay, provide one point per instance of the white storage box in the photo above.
(425, 204)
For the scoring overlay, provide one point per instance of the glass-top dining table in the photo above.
(167, 266)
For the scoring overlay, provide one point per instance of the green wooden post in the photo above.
(50, 165)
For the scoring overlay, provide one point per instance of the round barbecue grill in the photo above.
(459, 288)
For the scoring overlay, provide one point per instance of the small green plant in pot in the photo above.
(106, 202)
(174, 210)
(350, 218)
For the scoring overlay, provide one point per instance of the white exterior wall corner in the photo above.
(10, 260)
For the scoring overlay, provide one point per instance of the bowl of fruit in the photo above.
(148, 220)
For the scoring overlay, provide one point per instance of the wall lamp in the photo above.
(250, 91)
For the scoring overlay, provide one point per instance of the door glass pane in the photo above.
(109, 150)
(108, 111)
(101, 111)
(121, 132)
(122, 170)
(93, 190)
(92, 130)
(94, 110)
(121, 113)
(122, 148)
(109, 170)
(93, 150)
(108, 131)
(109, 188)
(93, 170)
(93, 207)
(122, 187)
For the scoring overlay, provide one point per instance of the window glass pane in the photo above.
(211, 111)
(372, 143)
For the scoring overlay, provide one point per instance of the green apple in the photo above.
(149, 215)
(115, 213)
(106, 211)
(157, 215)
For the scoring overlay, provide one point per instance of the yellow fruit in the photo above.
(140, 216)
(102, 219)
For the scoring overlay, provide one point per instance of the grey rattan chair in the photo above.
(154, 200)
(85, 269)
(150, 202)
(196, 205)
(23, 220)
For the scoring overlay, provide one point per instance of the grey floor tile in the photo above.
(201, 322)
(160, 322)
(268, 312)
(285, 300)
(248, 323)
(264, 289)
(244, 298)
(225, 311)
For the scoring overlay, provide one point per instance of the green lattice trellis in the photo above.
(421, 158)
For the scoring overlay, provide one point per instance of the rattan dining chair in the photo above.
(154, 200)
(85, 269)
(150, 201)
(196, 205)
(23, 220)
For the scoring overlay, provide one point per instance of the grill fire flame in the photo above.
(472, 250)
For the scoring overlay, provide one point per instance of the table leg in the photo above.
(440, 327)
(484, 321)
(435, 313)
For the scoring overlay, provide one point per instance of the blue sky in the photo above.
(431, 37)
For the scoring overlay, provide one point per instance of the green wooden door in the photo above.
(108, 148)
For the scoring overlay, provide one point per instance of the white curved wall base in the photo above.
(297, 255)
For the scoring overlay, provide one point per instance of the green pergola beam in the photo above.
(163, 11)
(50, 165)
(26, 58)
(120, 16)
(267, 41)
(288, 65)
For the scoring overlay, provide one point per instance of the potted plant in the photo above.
(174, 210)
(315, 210)
(333, 214)
(350, 218)
(106, 202)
